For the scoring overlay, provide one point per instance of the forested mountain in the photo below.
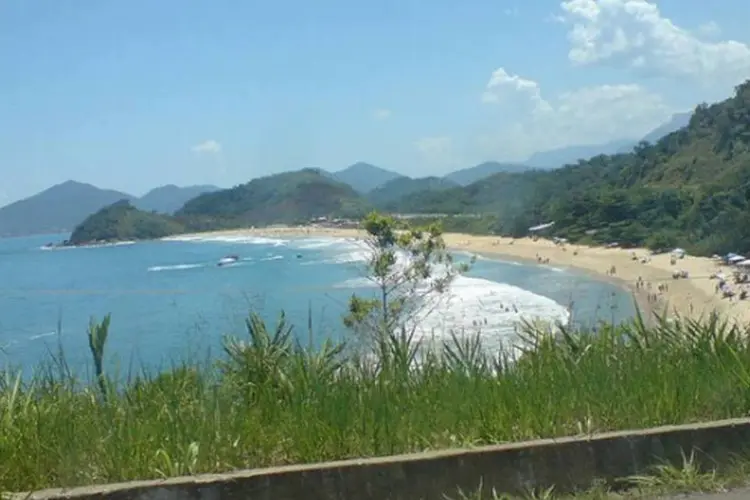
(291, 197)
(122, 221)
(63, 206)
(401, 187)
(691, 188)
(281, 198)
(54, 210)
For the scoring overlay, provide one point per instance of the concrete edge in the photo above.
(568, 463)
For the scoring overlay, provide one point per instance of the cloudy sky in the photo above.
(137, 93)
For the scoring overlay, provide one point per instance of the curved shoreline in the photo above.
(646, 308)
(693, 297)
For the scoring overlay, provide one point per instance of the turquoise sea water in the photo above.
(169, 299)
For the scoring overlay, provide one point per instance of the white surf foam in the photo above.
(93, 245)
(342, 251)
(473, 306)
(350, 257)
(314, 243)
(235, 239)
(272, 257)
(552, 268)
(176, 267)
(42, 335)
(470, 306)
(356, 283)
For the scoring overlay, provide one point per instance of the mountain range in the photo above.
(691, 189)
(61, 207)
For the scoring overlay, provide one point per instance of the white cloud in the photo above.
(635, 33)
(503, 85)
(709, 29)
(208, 147)
(382, 114)
(589, 115)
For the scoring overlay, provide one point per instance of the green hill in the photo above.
(401, 187)
(691, 188)
(121, 221)
(505, 193)
(288, 197)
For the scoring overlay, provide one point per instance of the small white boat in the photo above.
(229, 259)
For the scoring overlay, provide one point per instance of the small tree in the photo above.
(426, 268)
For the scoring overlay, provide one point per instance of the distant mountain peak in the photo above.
(58, 208)
(363, 164)
(71, 184)
(486, 169)
(364, 177)
(169, 198)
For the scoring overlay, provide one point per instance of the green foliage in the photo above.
(272, 402)
(121, 221)
(263, 361)
(402, 287)
(290, 197)
(385, 196)
(466, 224)
(690, 189)
(97, 334)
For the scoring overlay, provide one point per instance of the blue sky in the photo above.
(133, 94)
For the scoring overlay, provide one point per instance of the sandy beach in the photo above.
(649, 277)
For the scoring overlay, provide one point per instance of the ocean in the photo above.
(169, 299)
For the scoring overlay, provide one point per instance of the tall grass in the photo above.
(271, 401)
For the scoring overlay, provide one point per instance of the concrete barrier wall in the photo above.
(569, 464)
